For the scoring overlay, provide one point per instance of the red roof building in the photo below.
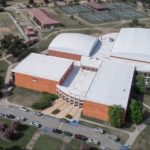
(96, 5)
(44, 18)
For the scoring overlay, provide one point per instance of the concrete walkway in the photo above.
(135, 134)
(147, 106)
(33, 140)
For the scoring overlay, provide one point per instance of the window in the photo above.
(34, 80)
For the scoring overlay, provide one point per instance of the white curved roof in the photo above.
(133, 43)
(74, 43)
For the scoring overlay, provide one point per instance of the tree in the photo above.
(1, 82)
(136, 111)
(115, 114)
(31, 2)
(8, 133)
(15, 125)
(12, 44)
(3, 3)
(140, 84)
(2, 127)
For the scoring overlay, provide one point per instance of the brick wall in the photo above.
(35, 83)
(95, 110)
(64, 55)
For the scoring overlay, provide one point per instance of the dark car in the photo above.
(67, 133)
(81, 137)
(10, 116)
(57, 131)
(64, 120)
(147, 122)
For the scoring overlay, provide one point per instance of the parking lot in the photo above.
(50, 122)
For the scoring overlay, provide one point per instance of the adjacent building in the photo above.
(44, 18)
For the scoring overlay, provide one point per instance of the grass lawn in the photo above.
(3, 68)
(21, 139)
(143, 140)
(74, 145)
(24, 97)
(46, 142)
(7, 25)
(146, 99)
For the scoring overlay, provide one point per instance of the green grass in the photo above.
(74, 145)
(21, 139)
(24, 97)
(143, 140)
(5, 121)
(3, 68)
(46, 142)
(7, 22)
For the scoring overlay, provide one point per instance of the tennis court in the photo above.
(111, 16)
(118, 5)
(75, 9)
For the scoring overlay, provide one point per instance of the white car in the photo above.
(23, 109)
(36, 124)
(37, 113)
(99, 130)
(93, 141)
(21, 119)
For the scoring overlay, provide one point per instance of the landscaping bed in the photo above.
(20, 141)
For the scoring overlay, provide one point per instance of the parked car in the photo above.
(66, 133)
(2, 115)
(10, 116)
(81, 137)
(36, 124)
(93, 141)
(114, 138)
(99, 130)
(37, 113)
(64, 120)
(21, 119)
(57, 131)
(23, 109)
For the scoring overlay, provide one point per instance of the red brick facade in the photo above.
(64, 55)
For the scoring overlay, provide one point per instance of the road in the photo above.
(51, 122)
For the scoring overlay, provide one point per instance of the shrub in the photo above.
(15, 125)
(115, 114)
(69, 116)
(56, 111)
(8, 133)
(3, 127)
(45, 101)
(136, 111)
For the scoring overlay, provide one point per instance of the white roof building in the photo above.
(42, 66)
(91, 62)
(74, 43)
(111, 84)
(133, 43)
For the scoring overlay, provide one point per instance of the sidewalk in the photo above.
(33, 140)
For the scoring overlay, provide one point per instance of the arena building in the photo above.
(73, 45)
(93, 73)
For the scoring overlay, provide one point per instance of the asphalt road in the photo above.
(51, 122)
